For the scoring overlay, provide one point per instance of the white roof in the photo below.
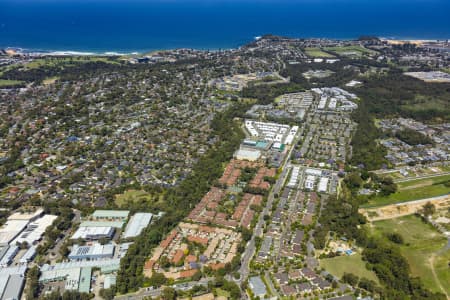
(136, 224)
(94, 250)
(314, 172)
(9, 255)
(11, 229)
(309, 182)
(35, 230)
(289, 139)
(323, 184)
(248, 154)
(31, 252)
(84, 232)
(26, 216)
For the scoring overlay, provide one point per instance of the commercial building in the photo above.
(115, 224)
(11, 229)
(93, 233)
(34, 230)
(250, 155)
(94, 252)
(12, 282)
(109, 281)
(257, 286)
(76, 275)
(25, 227)
(309, 182)
(27, 216)
(9, 255)
(293, 180)
(110, 215)
(29, 255)
(271, 132)
(291, 135)
(323, 185)
(137, 223)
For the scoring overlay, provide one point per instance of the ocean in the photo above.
(126, 26)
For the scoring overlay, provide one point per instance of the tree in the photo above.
(353, 180)
(169, 293)
(197, 276)
(428, 209)
(157, 279)
(395, 238)
(33, 283)
(107, 294)
(350, 278)
(368, 285)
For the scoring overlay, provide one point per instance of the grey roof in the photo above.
(298, 237)
(11, 282)
(136, 224)
(14, 287)
(257, 285)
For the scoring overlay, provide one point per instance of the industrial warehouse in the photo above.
(97, 246)
(313, 179)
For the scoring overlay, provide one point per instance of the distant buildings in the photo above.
(400, 153)
(271, 132)
(432, 76)
(239, 81)
(335, 99)
(313, 179)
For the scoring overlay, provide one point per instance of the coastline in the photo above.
(130, 52)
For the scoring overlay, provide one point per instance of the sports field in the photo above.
(423, 247)
(6, 82)
(316, 52)
(350, 50)
(413, 190)
(347, 264)
(66, 61)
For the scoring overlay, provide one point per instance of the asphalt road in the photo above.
(258, 230)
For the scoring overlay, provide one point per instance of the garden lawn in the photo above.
(134, 196)
(348, 264)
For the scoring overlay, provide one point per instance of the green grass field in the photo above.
(134, 196)
(66, 61)
(425, 181)
(222, 293)
(348, 264)
(413, 190)
(6, 82)
(348, 50)
(316, 52)
(422, 242)
(424, 103)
